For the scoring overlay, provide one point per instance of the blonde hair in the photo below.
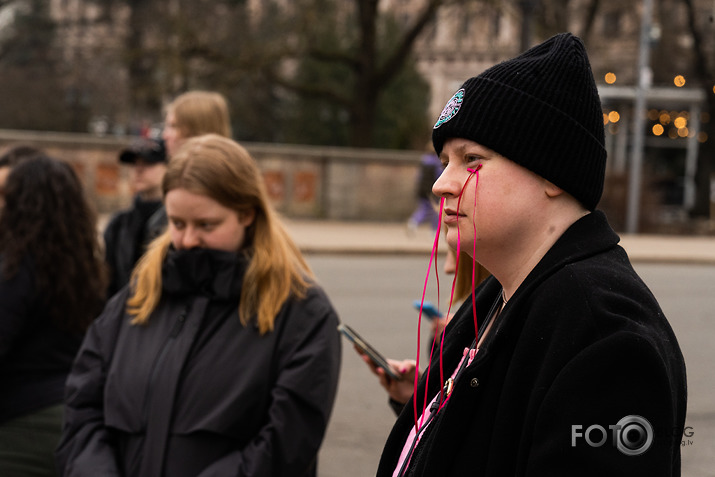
(201, 112)
(224, 171)
(464, 286)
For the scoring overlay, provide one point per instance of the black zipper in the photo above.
(175, 330)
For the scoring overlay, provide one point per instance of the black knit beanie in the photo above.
(540, 110)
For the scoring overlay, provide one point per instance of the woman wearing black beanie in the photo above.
(562, 363)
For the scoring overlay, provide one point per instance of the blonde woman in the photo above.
(223, 356)
(189, 115)
(192, 114)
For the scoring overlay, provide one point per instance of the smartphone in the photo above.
(371, 352)
(428, 309)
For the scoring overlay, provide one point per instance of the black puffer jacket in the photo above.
(35, 354)
(195, 393)
(582, 342)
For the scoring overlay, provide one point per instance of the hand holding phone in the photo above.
(428, 309)
(365, 348)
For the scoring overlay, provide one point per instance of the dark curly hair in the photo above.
(48, 222)
(17, 153)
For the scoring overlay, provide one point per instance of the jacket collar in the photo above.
(145, 208)
(588, 236)
(211, 273)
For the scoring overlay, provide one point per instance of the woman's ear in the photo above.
(246, 217)
(552, 190)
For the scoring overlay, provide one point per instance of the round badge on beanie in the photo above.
(541, 110)
(451, 108)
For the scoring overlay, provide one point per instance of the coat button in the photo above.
(474, 382)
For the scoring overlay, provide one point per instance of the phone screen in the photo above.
(371, 352)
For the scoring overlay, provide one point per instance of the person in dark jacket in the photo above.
(426, 211)
(562, 362)
(52, 285)
(222, 356)
(128, 233)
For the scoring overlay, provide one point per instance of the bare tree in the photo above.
(29, 83)
(372, 65)
(141, 56)
(550, 17)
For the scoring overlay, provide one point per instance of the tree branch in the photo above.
(701, 62)
(394, 62)
(311, 90)
(332, 56)
(590, 19)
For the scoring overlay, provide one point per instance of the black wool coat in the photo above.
(581, 343)
(194, 392)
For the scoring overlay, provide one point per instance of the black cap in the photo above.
(540, 110)
(151, 151)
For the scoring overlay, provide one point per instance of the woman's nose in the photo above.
(447, 184)
(190, 239)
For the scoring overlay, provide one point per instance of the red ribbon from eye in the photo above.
(433, 258)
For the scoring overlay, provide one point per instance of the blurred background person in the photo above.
(223, 356)
(127, 234)
(192, 114)
(9, 158)
(52, 284)
(469, 274)
(427, 209)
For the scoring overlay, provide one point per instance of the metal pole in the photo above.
(621, 149)
(691, 158)
(644, 80)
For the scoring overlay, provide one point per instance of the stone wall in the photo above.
(312, 182)
(303, 181)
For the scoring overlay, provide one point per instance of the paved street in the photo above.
(374, 294)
